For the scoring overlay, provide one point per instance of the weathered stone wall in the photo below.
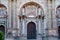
(48, 6)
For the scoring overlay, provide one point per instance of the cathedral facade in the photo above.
(30, 19)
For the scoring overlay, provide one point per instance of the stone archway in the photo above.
(31, 30)
(58, 19)
(2, 28)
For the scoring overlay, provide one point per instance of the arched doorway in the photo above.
(59, 31)
(31, 30)
(3, 17)
(2, 28)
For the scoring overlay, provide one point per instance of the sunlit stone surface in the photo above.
(30, 19)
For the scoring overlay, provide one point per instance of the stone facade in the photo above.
(18, 13)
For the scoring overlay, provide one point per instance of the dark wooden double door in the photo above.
(31, 30)
(2, 28)
(59, 31)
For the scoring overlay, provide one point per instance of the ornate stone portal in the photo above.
(3, 19)
(31, 12)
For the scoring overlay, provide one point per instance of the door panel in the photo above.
(2, 28)
(59, 31)
(31, 31)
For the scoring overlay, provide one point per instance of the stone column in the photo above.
(14, 22)
(9, 13)
(19, 25)
(48, 18)
(12, 14)
(23, 21)
(18, 21)
(40, 27)
(16, 14)
(23, 27)
(54, 19)
(54, 15)
(49, 14)
(39, 22)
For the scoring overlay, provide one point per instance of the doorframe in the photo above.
(58, 31)
(5, 29)
(35, 25)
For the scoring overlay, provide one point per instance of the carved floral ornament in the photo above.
(31, 9)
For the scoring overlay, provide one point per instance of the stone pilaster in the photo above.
(54, 15)
(9, 13)
(14, 26)
(49, 14)
(48, 17)
(23, 27)
(54, 18)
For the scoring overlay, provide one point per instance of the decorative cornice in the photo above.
(31, 4)
(22, 16)
(1, 5)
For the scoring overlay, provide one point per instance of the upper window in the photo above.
(1, 12)
(58, 12)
